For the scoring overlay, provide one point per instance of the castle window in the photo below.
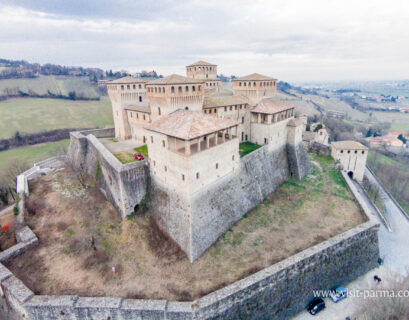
(235, 107)
(140, 87)
(137, 115)
(232, 157)
(207, 84)
(128, 87)
(215, 110)
(172, 89)
(197, 175)
(143, 117)
(183, 177)
(156, 90)
(245, 83)
(349, 151)
(356, 151)
(217, 166)
(207, 76)
(187, 88)
(144, 141)
(210, 111)
(140, 98)
(154, 162)
(254, 84)
(193, 88)
(242, 119)
(225, 108)
(241, 106)
(342, 151)
(122, 87)
(131, 114)
(151, 139)
(363, 152)
(163, 143)
(239, 84)
(180, 89)
(134, 86)
(231, 108)
(249, 84)
(199, 88)
(159, 111)
(166, 169)
(265, 140)
(160, 89)
(242, 138)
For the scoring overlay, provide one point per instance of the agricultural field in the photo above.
(82, 237)
(32, 154)
(28, 115)
(57, 85)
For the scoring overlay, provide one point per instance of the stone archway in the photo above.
(351, 174)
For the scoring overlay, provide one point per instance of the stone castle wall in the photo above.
(276, 292)
(196, 223)
(124, 185)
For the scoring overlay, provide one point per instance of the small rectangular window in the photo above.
(217, 166)
(163, 143)
(183, 177)
(166, 169)
(151, 139)
(197, 175)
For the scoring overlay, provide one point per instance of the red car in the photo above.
(138, 156)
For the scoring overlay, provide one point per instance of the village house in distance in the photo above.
(199, 186)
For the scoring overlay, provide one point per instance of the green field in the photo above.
(33, 153)
(247, 147)
(57, 85)
(29, 115)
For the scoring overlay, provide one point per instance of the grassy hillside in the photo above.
(394, 174)
(57, 85)
(33, 153)
(33, 114)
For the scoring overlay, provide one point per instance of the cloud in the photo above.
(290, 40)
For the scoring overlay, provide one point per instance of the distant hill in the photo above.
(65, 87)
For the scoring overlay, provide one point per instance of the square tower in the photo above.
(202, 70)
(255, 86)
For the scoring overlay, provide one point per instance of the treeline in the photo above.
(22, 69)
(72, 95)
(20, 139)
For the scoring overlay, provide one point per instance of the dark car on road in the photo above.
(316, 306)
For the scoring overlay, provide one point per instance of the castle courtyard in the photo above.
(82, 237)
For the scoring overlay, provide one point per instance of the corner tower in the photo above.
(124, 92)
(255, 86)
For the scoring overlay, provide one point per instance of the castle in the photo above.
(193, 130)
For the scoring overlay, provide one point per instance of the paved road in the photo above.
(394, 249)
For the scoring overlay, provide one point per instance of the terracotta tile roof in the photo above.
(254, 76)
(128, 79)
(271, 106)
(187, 125)
(348, 144)
(174, 79)
(222, 100)
(201, 63)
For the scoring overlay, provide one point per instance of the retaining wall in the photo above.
(124, 185)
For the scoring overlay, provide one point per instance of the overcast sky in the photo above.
(290, 40)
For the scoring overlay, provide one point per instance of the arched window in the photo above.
(254, 84)
(156, 90)
(245, 83)
(239, 84)
(172, 89)
(128, 87)
(159, 111)
(180, 89)
(193, 88)
(122, 87)
(187, 88)
(140, 87)
(160, 89)
(199, 88)
(134, 86)
(163, 89)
